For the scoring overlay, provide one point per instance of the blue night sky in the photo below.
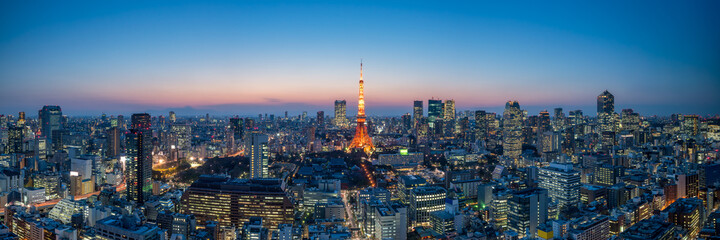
(249, 57)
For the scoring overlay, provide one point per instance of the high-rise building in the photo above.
(606, 115)
(449, 110)
(113, 142)
(512, 130)
(406, 120)
(527, 209)
(576, 117)
(231, 202)
(481, 125)
(362, 139)
(562, 183)
(172, 117)
(16, 136)
(257, 149)
(320, 120)
(50, 119)
(417, 112)
(435, 110)
(605, 103)
(139, 159)
(630, 120)
(543, 123)
(690, 125)
(558, 120)
(237, 127)
(21, 119)
(340, 119)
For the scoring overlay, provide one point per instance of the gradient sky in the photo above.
(249, 57)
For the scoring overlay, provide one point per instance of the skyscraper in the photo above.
(21, 119)
(481, 125)
(139, 163)
(435, 110)
(320, 119)
(605, 103)
(16, 136)
(630, 120)
(340, 119)
(543, 123)
(50, 119)
(417, 112)
(362, 138)
(558, 120)
(449, 110)
(257, 149)
(113, 142)
(172, 117)
(690, 125)
(512, 130)
(237, 126)
(576, 117)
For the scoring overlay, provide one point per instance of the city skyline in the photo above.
(197, 58)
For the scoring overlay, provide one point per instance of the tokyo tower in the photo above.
(362, 139)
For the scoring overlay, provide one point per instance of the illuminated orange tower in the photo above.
(362, 139)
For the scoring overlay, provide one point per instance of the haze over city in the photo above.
(245, 58)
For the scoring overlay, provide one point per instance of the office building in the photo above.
(481, 125)
(630, 120)
(340, 119)
(237, 127)
(650, 229)
(512, 130)
(391, 221)
(435, 111)
(417, 112)
(403, 159)
(406, 183)
(113, 142)
(125, 227)
(526, 210)
(320, 120)
(254, 229)
(562, 184)
(558, 122)
(16, 137)
(597, 228)
(449, 110)
(50, 119)
(688, 214)
(257, 149)
(425, 200)
(608, 175)
(605, 103)
(690, 125)
(232, 201)
(139, 159)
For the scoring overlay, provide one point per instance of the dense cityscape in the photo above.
(446, 174)
(359, 120)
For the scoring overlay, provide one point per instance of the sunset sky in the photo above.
(250, 57)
